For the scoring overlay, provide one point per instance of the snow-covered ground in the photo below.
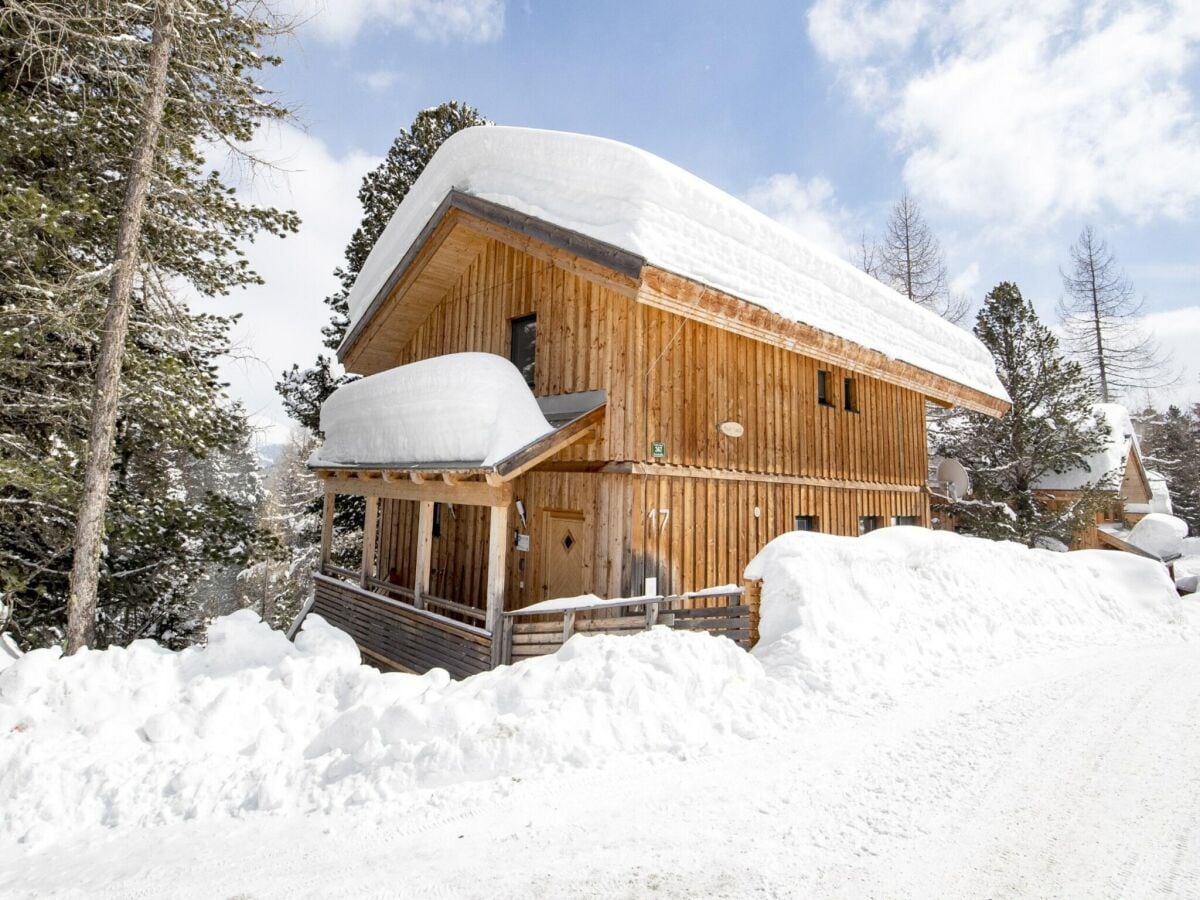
(1054, 758)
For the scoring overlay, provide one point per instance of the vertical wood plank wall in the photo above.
(674, 381)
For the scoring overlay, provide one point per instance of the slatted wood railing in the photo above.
(397, 636)
(536, 632)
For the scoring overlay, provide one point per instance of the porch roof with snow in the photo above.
(659, 235)
(457, 417)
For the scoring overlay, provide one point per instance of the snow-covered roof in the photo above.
(1160, 494)
(630, 199)
(1109, 461)
(470, 413)
(463, 410)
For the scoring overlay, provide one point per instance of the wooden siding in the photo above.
(674, 380)
(695, 516)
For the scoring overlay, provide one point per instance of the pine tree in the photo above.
(383, 189)
(278, 585)
(1051, 428)
(909, 259)
(72, 84)
(1170, 443)
(1099, 314)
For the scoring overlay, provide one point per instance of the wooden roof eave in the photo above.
(693, 300)
(441, 478)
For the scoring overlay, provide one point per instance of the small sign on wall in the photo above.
(522, 543)
(658, 450)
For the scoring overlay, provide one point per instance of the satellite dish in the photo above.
(732, 429)
(951, 473)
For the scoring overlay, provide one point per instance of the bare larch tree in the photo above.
(909, 259)
(1100, 323)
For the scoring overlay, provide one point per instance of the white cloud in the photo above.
(473, 21)
(380, 79)
(281, 319)
(1028, 112)
(965, 282)
(808, 207)
(1178, 332)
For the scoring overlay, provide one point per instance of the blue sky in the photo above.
(1014, 124)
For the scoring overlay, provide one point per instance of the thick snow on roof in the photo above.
(1160, 493)
(629, 198)
(464, 408)
(1110, 460)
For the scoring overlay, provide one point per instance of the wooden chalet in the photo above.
(1132, 491)
(691, 424)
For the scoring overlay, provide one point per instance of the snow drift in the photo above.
(467, 408)
(903, 607)
(250, 722)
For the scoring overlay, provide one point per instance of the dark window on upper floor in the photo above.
(867, 524)
(437, 520)
(522, 348)
(824, 392)
(806, 523)
(849, 394)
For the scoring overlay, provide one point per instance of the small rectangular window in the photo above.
(522, 348)
(806, 523)
(905, 520)
(823, 391)
(849, 395)
(437, 520)
(867, 524)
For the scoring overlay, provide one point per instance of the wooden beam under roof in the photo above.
(693, 300)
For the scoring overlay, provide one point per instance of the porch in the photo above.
(394, 634)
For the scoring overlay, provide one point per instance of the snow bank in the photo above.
(251, 722)
(863, 617)
(471, 408)
(1159, 534)
(633, 200)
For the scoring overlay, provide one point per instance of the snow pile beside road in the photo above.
(464, 408)
(144, 735)
(864, 618)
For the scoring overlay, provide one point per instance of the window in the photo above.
(806, 523)
(522, 348)
(849, 395)
(823, 388)
(437, 520)
(867, 524)
(905, 520)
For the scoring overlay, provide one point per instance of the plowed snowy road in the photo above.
(1064, 777)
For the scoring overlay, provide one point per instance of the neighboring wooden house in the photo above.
(1131, 493)
(713, 380)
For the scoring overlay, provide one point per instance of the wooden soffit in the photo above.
(455, 236)
(693, 300)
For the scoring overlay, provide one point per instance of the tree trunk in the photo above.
(89, 526)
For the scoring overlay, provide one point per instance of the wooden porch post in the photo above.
(497, 560)
(370, 540)
(327, 530)
(424, 552)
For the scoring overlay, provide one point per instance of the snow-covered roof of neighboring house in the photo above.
(632, 200)
(1109, 462)
(1160, 494)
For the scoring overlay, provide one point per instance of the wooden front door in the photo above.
(563, 543)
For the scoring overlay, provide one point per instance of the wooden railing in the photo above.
(535, 631)
(397, 636)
